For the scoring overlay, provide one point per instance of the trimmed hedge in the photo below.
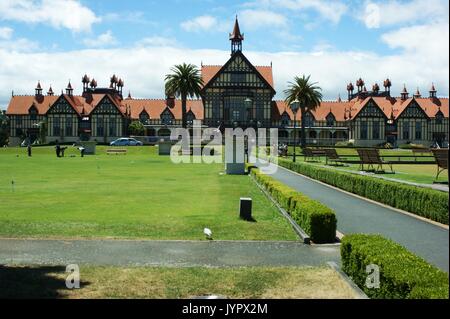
(424, 202)
(403, 275)
(316, 219)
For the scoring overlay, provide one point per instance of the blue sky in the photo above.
(335, 41)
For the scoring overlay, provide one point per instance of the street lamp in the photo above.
(295, 105)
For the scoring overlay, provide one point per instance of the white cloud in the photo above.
(393, 12)
(6, 33)
(69, 14)
(157, 41)
(19, 45)
(332, 69)
(331, 10)
(255, 19)
(103, 40)
(203, 23)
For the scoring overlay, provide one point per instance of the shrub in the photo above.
(424, 202)
(402, 274)
(136, 128)
(345, 144)
(316, 219)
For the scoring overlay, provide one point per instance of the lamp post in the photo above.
(295, 105)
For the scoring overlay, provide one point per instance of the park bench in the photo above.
(441, 156)
(116, 151)
(332, 156)
(372, 157)
(420, 151)
(312, 153)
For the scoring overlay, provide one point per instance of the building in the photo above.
(236, 94)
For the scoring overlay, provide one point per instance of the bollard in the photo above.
(245, 209)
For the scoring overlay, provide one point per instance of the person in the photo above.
(58, 149)
(29, 149)
(82, 149)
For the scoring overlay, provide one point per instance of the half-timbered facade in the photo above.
(236, 94)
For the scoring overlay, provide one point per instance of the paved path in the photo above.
(165, 253)
(356, 215)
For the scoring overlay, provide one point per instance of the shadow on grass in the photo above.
(37, 282)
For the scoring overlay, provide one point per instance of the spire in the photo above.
(236, 38)
(417, 95)
(38, 89)
(69, 89)
(433, 91)
(50, 91)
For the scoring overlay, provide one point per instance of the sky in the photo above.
(334, 41)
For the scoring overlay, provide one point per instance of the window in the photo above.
(69, 127)
(406, 130)
(309, 120)
(166, 117)
(376, 130)
(418, 130)
(190, 117)
(33, 114)
(19, 121)
(143, 117)
(237, 77)
(112, 127)
(285, 119)
(100, 129)
(330, 120)
(439, 118)
(56, 126)
(363, 131)
(236, 115)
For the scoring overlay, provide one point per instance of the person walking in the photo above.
(29, 149)
(58, 149)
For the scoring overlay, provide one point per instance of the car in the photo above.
(126, 141)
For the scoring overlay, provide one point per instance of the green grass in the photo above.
(138, 195)
(174, 283)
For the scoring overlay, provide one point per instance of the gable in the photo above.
(413, 110)
(106, 106)
(371, 109)
(61, 106)
(239, 72)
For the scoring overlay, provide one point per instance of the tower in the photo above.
(236, 38)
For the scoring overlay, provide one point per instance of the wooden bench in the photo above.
(312, 153)
(441, 156)
(116, 151)
(332, 156)
(372, 157)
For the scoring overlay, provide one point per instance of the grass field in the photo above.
(174, 283)
(138, 195)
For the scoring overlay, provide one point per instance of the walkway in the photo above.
(165, 253)
(356, 215)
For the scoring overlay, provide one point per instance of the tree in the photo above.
(4, 129)
(43, 131)
(308, 94)
(185, 81)
(136, 128)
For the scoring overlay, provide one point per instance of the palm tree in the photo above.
(307, 94)
(185, 81)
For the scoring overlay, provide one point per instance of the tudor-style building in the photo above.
(236, 94)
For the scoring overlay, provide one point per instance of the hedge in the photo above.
(403, 275)
(316, 219)
(421, 201)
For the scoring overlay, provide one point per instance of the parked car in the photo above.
(125, 141)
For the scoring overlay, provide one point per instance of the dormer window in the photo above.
(330, 120)
(167, 117)
(33, 113)
(285, 119)
(309, 120)
(439, 118)
(190, 117)
(143, 117)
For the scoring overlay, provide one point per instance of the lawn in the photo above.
(138, 195)
(174, 283)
